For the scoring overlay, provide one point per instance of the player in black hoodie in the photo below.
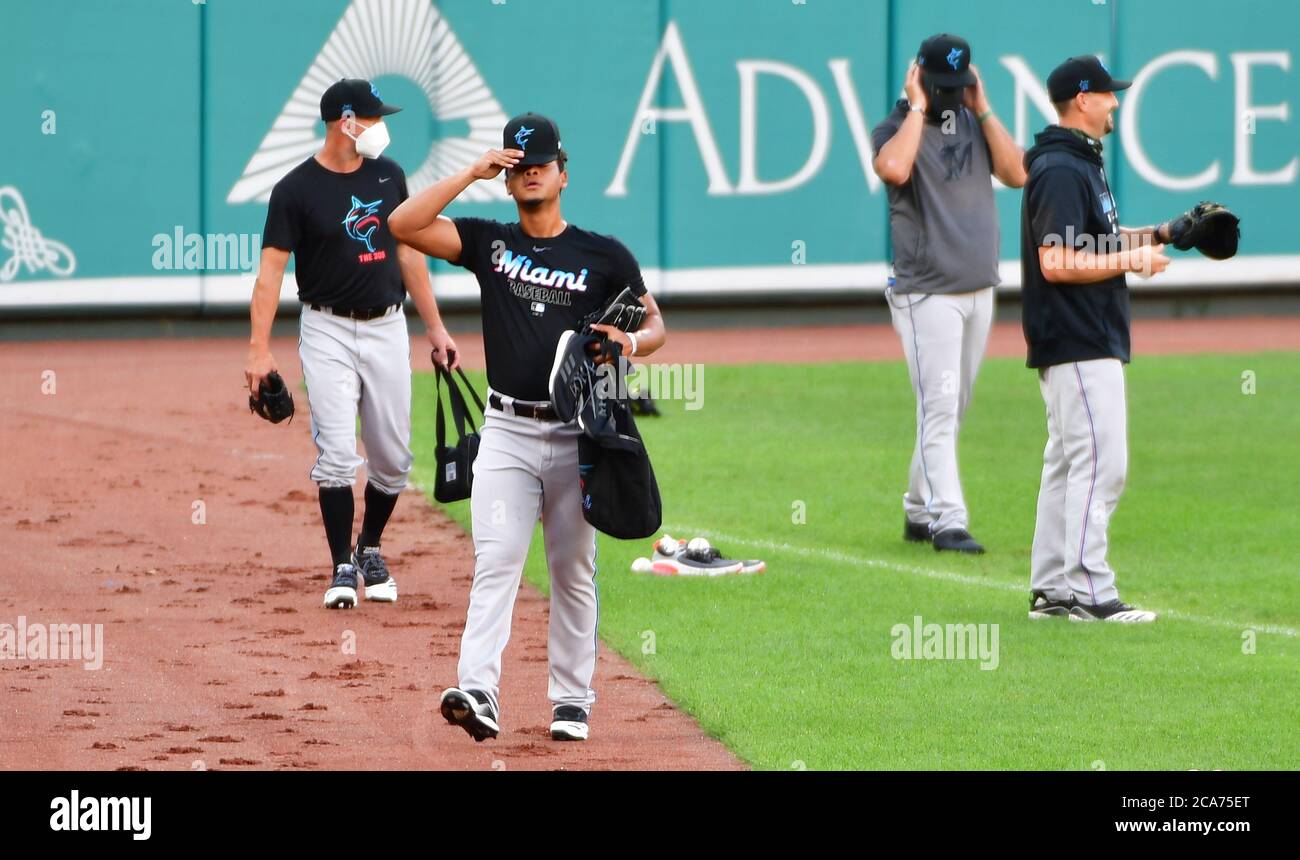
(1074, 256)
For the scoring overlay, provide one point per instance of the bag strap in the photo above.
(437, 398)
(460, 414)
(472, 393)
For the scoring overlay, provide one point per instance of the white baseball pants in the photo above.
(358, 368)
(943, 337)
(1084, 466)
(527, 469)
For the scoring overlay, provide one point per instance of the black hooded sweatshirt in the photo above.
(1067, 200)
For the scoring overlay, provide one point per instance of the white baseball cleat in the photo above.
(379, 583)
(471, 710)
(569, 723)
(1112, 610)
(342, 593)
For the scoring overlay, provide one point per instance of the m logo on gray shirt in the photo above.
(943, 221)
(956, 157)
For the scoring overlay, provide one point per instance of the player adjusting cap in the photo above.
(536, 135)
(945, 61)
(355, 95)
(1085, 74)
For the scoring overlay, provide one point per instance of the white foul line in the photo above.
(947, 576)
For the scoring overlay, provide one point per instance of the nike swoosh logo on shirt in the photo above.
(386, 178)
(537, 250)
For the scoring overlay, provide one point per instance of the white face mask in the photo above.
(372, 141)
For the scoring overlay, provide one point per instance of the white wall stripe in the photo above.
(232, 291)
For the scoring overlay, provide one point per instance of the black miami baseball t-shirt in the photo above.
(1068, 201)
(336, 225)
(535, 289)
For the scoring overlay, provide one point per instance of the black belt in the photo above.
(540, 411)
(356, 313)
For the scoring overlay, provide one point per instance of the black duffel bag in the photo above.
(620, 496)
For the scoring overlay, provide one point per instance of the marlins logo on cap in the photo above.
(536, 135)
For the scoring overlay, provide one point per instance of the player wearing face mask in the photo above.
(331, 212)
(938, 152)
(371, 140)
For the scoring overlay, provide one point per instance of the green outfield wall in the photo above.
(725, 141)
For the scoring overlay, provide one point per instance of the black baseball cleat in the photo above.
(380, 585)
(957, 540)
(915, 532)
(1042, 606)
(342, 593)
(642, 404)
(471, 710)
(569, 723)
(570, 375)
(1112, 610)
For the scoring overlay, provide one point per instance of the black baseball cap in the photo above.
(1085, 74)
(356, 95)
(536, 135)
(945, 59)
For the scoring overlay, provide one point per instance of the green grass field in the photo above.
(793, 668)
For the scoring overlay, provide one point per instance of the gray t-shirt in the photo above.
(943, 220)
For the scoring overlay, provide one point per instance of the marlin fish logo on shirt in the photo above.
(362, 221)
(520, 268)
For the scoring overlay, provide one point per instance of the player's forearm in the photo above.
(1151, 234)
(415, 278)
(266, 298)
(1066, 266)
(418, 212)
(651, 336)
(421, 293)
(896, 158)
(1008, 156)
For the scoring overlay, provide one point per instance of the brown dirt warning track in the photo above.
(217, 653)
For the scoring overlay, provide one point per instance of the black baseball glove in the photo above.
(273, 401)
(1209, 228)
(625, 313)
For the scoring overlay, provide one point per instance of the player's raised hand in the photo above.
(494, 161)
(913, 87)
(976, 100)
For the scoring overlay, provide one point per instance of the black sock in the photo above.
(336, 508)
(379, 507)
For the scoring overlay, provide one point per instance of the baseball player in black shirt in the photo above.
(1074, 256)
(538, 277)
(331, 212)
